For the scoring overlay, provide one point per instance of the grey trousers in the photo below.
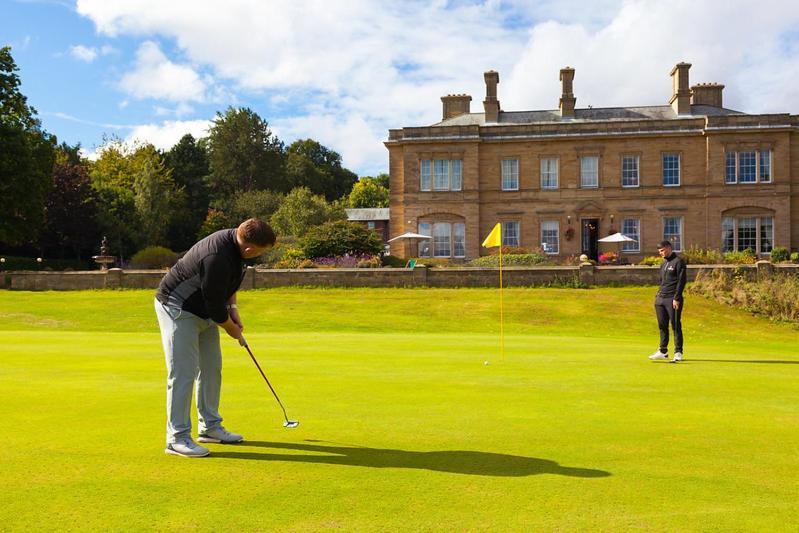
(191, 348)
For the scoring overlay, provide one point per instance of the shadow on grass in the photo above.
(454, 461)
(758, 361)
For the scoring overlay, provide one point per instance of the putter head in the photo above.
(291, 424)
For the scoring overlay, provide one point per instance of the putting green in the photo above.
(402, 425)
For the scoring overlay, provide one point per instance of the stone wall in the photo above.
(588, 275)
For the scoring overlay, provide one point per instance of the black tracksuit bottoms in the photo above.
(666, 313)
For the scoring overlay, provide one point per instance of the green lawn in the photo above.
(403, 427)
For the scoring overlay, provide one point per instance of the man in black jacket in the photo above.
(669, 301)
(194, 299)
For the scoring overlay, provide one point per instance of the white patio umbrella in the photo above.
(410, 237)
(617, 238)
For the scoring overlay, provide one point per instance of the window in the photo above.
(424, 184)
(631, 227)
(370, 224)
(672, 231)
(671, 170)
(441, 239)
(550, 231)
(446, 174)
(424, 244)
(510, 234)
(752, 166)
(589, 172)
(749, 232)
(549, 173)
(629, 171)
(459, 240)
(510, 174)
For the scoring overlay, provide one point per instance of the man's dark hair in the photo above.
(665, 244)
(257, 232)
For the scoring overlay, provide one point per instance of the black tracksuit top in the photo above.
(672, 277)
(203, 280)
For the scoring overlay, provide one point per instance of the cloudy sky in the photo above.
(345, 71)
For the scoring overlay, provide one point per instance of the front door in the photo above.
(590, 238)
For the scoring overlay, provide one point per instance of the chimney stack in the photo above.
(567, 99)
(681, 93)
(707, 94)
(456, 105)
(491, 104)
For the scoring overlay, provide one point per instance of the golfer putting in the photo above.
(194, 300)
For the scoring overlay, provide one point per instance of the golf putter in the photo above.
(288, 423)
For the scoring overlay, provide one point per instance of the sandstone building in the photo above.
(691, 171)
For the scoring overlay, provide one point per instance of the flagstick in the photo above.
(501, 312)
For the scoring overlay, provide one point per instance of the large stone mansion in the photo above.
(692, 171)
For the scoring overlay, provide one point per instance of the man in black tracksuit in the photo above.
(669, 301)
(196, 299)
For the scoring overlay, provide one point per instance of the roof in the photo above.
(597, 114)
(367, 214)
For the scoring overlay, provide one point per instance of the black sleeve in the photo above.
(214, 279)
(682, 277)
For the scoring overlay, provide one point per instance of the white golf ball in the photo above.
(485, 363)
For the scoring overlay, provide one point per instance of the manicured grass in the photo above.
(402, 425)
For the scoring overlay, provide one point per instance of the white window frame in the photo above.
(505, 233)
(446, 233)
(759, 174)
(584, 172)
(509, 171)
(663, 169)
(736, 247)
(455, 235)
(556, 229)
(425, 174)
(548, 174)
(455, 178)
(627, 246)
(637, 160)
(425, 248)
(681, 233)
(440, 185)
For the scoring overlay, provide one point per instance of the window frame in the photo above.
(736, 247)
(663, 157)
(557, 236)
(556, 172)
(518, 232)
(637, 159)
(582, 171)
(502, 173)
(637, 243)
(681, 233)
(736, 167)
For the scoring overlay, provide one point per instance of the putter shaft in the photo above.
(288, 423)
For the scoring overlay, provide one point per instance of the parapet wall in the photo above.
(586, 275)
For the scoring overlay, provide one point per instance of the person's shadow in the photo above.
(454, 461)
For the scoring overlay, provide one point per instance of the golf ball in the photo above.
(485, 363)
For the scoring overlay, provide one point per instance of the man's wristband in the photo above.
(232, 306)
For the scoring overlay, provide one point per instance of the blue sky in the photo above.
(344, 72)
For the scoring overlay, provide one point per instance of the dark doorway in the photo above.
(590, 238)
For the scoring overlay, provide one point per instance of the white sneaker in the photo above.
(659, 356)
(186, 448)
(219, 435)
(677, 357)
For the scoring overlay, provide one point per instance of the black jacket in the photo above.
(203, 280)
(673, 275)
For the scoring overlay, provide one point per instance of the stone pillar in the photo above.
(113, 278)
(764, 269)
(587, 274)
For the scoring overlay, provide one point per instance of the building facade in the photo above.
(692, 171)
(374, 218)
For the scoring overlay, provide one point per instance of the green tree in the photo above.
(156, 198)
(309, 164)
(302, 210)
(243, 154)
(340, 237)
(368, 193)
(26, 160)
(188, 161)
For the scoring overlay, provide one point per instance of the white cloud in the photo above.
(166, 134)
(83, 53)
(360, 67)
(155, 76)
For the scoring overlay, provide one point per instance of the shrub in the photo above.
(608, 258)
(392, 261)
(306, 263)
(154, 257)
(346, 261)
(510, 260)
(374, 262)
(340, 238)
(652, 260)
(747, 257)
(697, 256)
(775, 295)
(795, 257)
(780, 254)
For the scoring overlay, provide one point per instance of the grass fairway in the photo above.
(403, 428)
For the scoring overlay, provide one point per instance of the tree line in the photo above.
(57, 203)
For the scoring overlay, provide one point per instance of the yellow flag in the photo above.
(494, 238)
